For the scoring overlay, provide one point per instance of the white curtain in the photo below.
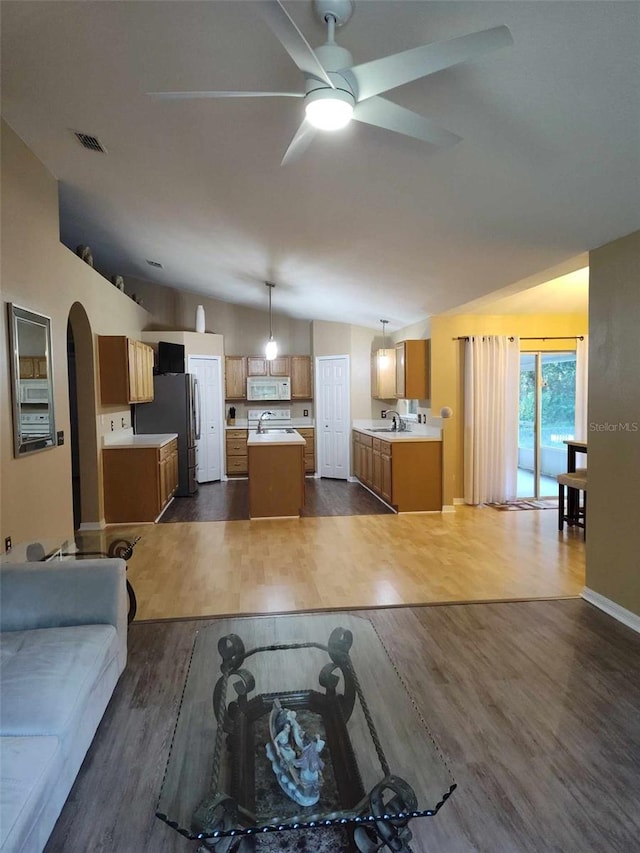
(582, 388)
(492, 383)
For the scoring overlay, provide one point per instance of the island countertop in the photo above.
(275, 438)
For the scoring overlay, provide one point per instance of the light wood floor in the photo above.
(241, 567)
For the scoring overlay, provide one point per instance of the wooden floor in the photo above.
(229, 501)
(533, 704)
(272, 566)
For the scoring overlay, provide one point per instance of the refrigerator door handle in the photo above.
(196, 401)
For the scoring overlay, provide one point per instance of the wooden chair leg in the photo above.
(560, 506)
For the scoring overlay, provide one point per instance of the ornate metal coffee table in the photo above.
(382, 767)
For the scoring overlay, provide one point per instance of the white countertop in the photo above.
(125, 438)
(416, 432)
(264, 439)
(242, 423)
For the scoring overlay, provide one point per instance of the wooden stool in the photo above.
(575, 514)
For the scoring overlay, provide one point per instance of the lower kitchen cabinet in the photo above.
(309, 436)
(138, 481)
(236, 452)
(405, 474)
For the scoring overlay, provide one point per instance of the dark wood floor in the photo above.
(229, 501)
(534, 705)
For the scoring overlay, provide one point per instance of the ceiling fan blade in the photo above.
(299, 143)
(381, 75)
(383, 113)
(175, 96)
(293, 41)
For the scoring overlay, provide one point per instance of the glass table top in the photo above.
(330, 676)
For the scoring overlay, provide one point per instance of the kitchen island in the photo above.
(404, 469)
(276, 473)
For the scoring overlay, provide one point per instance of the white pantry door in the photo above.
(332, 418)
(207, 370)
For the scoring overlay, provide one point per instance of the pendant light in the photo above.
(383, 356)
(271, 350)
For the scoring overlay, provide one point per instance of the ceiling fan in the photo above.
(336, 90)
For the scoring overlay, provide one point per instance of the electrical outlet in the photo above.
(60, 437)
(111, 426)
(7, 543)
(383, 413)
(419, 418)
(306, 413)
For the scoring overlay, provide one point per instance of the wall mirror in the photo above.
(34, 426)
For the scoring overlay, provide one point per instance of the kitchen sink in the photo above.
(277, 430)
(384, 429)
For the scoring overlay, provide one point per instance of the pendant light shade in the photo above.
(271, 350)
(383, 355)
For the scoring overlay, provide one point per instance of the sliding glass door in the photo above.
(547, 419)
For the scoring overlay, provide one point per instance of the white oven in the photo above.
(268, 388)
(34, 391)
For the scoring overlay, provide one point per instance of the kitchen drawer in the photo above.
(367, 440)
(237, 465)
(236, 433)
(306, 432)
(167, 449)
(237, 447)
(385, 447)
(375, 443)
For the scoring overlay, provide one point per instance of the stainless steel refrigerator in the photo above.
(174, 409)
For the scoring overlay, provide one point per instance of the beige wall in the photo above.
(613, 542)
(447, 362)
(41, 274)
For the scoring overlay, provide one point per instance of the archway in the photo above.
(82, 405)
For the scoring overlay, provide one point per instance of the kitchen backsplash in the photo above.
(298, 410)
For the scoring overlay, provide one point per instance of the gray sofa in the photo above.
(63, 646)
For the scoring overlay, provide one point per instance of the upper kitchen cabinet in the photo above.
(412, 370)
(383, 374)
(301, 377)
(259, 366)
(126, 370)
(235, 377)
(33, 367)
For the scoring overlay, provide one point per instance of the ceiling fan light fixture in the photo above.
(329, 109)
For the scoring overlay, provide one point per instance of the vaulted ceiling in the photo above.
(368, 223)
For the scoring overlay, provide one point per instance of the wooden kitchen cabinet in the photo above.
(383, 375)
(258, 365)
(412, 370)
(405, 474)
(138, 481)
(309, 435)
(301, 377)
(236, 452)
(33, 367)
(235, 377)
(126, 370)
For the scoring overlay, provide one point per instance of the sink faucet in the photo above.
(400, 425)
(264, 414)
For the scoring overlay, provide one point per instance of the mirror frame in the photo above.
(22, 447)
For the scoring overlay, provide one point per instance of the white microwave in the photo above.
(34, 391)
(268, 388)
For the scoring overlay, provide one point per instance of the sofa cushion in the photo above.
(28, 768)
(47, 676)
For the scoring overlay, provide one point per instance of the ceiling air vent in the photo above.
(154, 264)
(90, 142)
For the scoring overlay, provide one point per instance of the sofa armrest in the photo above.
(62, 593)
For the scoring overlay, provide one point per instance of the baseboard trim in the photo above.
(627, 617)
(458, 501)
(449, 507)
(92, 525)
